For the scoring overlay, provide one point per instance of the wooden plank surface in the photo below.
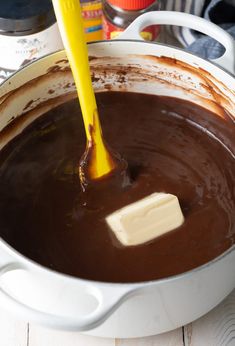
(13, 332)
(217, 328)
(174, 338)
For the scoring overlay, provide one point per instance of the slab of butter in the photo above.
(146, 219)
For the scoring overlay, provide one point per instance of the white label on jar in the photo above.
(17, 51)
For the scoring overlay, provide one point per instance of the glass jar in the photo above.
(92, 19)
(28, 30)
(119, 14)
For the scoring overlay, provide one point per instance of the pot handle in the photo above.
(109, 299)
(227, 60)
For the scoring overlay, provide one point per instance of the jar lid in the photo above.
(131, 4)
(25, 17)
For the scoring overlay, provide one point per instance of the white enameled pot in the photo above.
(105, 309)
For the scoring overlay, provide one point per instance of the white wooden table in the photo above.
(217, 328)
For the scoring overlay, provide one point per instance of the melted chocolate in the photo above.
(170, 145)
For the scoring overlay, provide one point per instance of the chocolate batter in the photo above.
(45, 216)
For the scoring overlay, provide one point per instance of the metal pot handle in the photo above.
(109, 299)
(227, 60)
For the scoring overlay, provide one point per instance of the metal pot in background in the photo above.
(131, 65)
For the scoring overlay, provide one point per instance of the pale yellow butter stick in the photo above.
(146, 219)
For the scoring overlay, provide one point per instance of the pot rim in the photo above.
(164, 45)
(39, 267)
(119, 40)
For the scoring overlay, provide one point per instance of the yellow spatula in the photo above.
(69, 18)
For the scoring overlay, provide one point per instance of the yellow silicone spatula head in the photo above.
(99, 161)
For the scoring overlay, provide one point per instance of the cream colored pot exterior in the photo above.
(117, 310)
